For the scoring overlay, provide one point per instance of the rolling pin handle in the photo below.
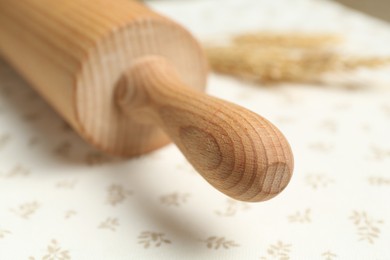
(237, 151)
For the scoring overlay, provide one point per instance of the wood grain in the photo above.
(240, 153)
(76, 53)
(73, 53)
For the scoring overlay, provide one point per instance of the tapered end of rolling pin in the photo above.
(237, 151)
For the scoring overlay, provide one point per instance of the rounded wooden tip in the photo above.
(237, 151)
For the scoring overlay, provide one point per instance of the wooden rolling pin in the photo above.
(130, 80)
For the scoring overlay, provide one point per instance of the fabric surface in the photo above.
(61, 199)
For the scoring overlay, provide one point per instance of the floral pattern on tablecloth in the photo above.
(62, 199)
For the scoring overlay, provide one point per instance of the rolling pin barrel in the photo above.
(129, 80)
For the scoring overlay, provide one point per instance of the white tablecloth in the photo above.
(61, 199)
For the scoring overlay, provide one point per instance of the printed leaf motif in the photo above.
(109, 223)
(328, 255)
(32, 141)
(367, 228)
(342, 106)
(4, 140)
(379, 153)
(386, 110)
(214, 242)
(232, 207)
(18, 170)
(96, 158)
(4, 232)
(278, 251)
(290, 99)
(284, 119)
(366, 127)
(54, 252)
(70, 213)
(174, 199)
(317, 181)
(378, 181)
(148, 239)
(186, 168)
(66, 184)
(330, 126)
(63, 149)
(321, 147)
(26, 210)
(117, 194)
(300, 217)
